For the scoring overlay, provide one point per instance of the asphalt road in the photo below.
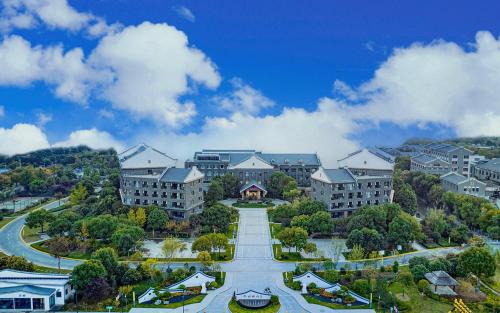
(11, 243)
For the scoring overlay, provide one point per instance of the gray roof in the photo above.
(425, 158)
(492, 165)
(237, 156)
(28, 289)
(453, 178)
(441, 278)
(178, 175)
(382, 154)
(250, 184)
(339, 175)
(443, 147)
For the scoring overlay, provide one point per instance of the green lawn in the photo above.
(275, 228)
(418, 303)
(192, 300)
(232, 231)
(284, 255)
(5, 221)
(332, 305)
(32, 234)
(251, 205)
(234, 307)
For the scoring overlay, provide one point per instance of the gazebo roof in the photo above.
(251, 184)
(441, 278)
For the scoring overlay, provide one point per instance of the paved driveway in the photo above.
(11, 243)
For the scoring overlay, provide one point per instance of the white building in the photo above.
(33, 291)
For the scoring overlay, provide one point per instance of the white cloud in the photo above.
(22, 138)
(243, 98)
(184, 12)
(56, 14)
(92, 138)
(324, 130)
(153, 66)
(22, 64)
(43, 118)
(439, 83)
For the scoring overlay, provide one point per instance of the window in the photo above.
(7, 304)
(22, 303)
(38, 304)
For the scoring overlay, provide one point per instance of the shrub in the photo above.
(312, 288)
(419, 272)
(331, 276)
(418, 260)
(361, 286)
(213, 285)
(422, 285)
(349, 299)
(296, 285)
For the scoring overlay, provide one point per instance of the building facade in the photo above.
(487, 170)
(214, 163)
(149, 177)
(27, 291)
(457, 183)
(364, 178)
(441, 158)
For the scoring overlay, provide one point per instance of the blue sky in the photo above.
(361, 72)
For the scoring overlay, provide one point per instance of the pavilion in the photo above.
(442, 282)
(253, 191)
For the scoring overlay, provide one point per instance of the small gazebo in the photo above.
(443, 281)
(253, 190)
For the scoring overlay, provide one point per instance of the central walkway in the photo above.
(253, 266)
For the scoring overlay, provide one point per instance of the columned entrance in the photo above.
(253, 191)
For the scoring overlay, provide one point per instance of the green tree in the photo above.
(101, 227)
(419, 272)
(402, 163)
(38, 218)
(127, 237)
(58, 247)
(435, 197)
(140, 217)
(205, 259)
(219, 241)
(459, 234)
(172, 246)
(14, 262)
(436, 221)
(302, 221)
(109, 259)
(401, 232)
(83, 274)
(230, 185)
(307, 206)
(406, 198)
(293, 237)
(277, 183)
(310, 248)
(357, 253)
(477, 261)
(157, 220)
(217, 218)
(202, 243)
(78, 195)
(215, 192)
(321, 222)
(369, 239)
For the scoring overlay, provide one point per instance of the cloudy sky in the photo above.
(287, 76)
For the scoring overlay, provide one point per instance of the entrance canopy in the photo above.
(253, 190)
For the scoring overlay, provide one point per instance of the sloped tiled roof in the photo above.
(366, 159)
(250, 184)
(181, 175)
(441, 278)
(492, 165)
(144, 156)
(28, 289)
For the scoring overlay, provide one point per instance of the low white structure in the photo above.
(33, 291)
(198, 279)
(253, 299)
(309, 277)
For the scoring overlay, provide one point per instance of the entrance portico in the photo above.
(253, 191)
